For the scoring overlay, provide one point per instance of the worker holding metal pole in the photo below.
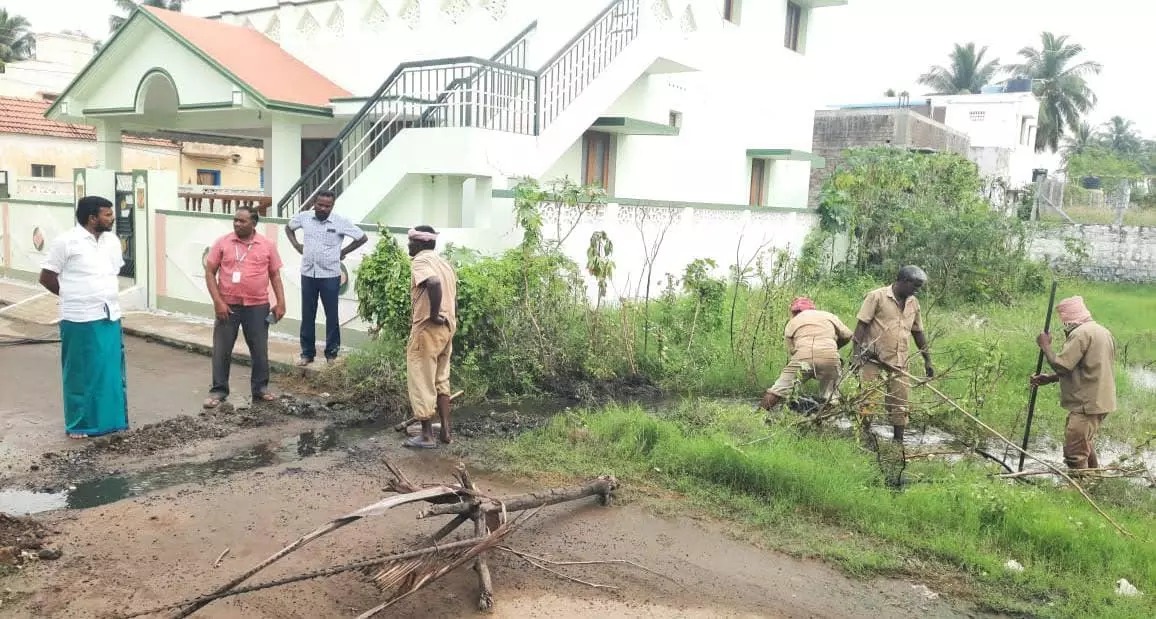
(1084, 368)
(1039, 370)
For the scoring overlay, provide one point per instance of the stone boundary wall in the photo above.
(1124, 254)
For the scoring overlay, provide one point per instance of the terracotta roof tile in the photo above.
(256, 60)
(26, 117)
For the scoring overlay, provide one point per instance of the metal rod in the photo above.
(1039, 368)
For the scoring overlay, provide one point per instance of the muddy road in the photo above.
(141, 518)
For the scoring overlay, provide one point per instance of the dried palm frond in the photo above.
(401, 579)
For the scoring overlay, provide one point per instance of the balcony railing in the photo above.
(498, 94)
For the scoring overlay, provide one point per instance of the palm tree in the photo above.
(1060, 84)
(128, 6)
(1079, 141)
(968, 72)
(1121, 137)
(16, 42)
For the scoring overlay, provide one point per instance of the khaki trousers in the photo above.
(427, 364)
(1079, 436)
(895, 398)
(796, 372)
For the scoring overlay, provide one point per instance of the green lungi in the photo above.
(92, 368)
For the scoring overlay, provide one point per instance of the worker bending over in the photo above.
(814, 338)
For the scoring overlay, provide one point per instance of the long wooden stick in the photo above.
(1039, 369)
(403, 425)
(1001, 437)
(372, 510)
(601, 486)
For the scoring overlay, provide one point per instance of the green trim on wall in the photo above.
(26, 276)
(203, 215)
(509, 194)
(787, 154)
(622, 125)
(286, 326)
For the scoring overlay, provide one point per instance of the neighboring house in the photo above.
(692, 112)
(907, 127)
(40, 154)
(60, 57)
(1000, 124)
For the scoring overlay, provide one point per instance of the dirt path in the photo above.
(253, 479)
(161, 547)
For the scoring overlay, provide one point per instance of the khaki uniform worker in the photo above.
(433, 291)
(814, 338)
(888, 319)
(1084, 369)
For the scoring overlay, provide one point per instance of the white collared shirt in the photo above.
(87, 268)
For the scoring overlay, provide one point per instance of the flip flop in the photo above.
(265, 397)
(212, 403)
(416, 443)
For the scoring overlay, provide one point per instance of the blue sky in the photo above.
(868, 46)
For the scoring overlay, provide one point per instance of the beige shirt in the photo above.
(890, 329)
(814, 334)
(427, 264)
(1086, 369)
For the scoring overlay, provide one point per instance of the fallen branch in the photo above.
(527, 559)
(1001, 437)
(372, 510)
(329, 571)
(601, 486)
(597, 562)
(217, 563)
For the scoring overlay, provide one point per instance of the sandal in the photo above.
(212, 402)
(264, 397)
(416, 443)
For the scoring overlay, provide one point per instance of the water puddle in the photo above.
(1142, 377)
(501, 419)
(105, 490)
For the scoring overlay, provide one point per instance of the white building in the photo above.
(58, 58)
(1002, 125)
(693, 114)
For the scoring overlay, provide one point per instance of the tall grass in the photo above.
(955, 519)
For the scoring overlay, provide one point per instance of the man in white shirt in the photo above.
(81, 268)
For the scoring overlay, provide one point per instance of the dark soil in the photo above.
(22, 533)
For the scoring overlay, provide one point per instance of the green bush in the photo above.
(901, 207)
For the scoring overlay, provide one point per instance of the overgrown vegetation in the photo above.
(953, 527)
(901, 207)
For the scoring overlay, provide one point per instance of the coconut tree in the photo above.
(128, 6)
(966, 73)
(16, 42)
(1060, 83)
(1079, 141)
(1121, 137)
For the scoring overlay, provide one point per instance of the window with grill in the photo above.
(794, 32)
(41, 170)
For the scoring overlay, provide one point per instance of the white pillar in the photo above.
(109, 154)
(283, 157)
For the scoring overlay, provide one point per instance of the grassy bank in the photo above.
(687, 346)
(953, 527)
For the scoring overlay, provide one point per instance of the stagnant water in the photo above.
(488, 420)
(491, 419)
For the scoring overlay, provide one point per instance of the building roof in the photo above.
(26, 117)
(252, 58)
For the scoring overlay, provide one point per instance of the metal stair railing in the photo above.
(498, 94)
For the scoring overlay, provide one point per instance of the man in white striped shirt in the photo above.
(321, 256)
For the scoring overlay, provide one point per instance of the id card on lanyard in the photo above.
(240, 258)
